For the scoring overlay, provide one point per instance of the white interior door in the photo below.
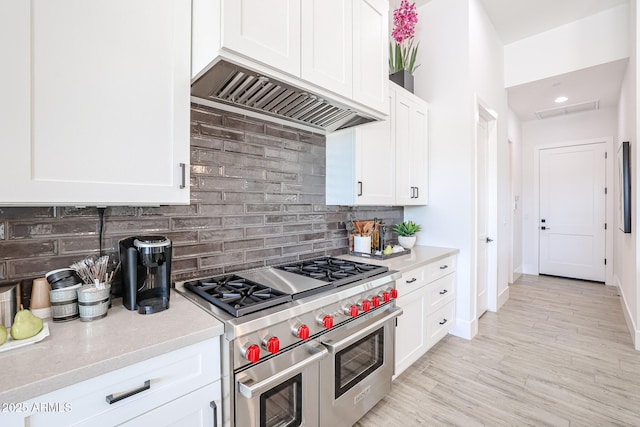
(482, 182)
(572, 211)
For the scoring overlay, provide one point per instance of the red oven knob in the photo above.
(394, 293)
(386, 296)
(375, 302)
(273, 345)
(366, 305)
(352, 311)
(252, 353)
(327, 322)
(302, 332)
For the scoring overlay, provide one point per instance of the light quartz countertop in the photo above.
(76, 351)
(419, 256)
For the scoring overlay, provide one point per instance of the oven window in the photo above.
(359, 360)
(282, 405)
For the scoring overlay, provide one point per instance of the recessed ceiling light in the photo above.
(561, 99)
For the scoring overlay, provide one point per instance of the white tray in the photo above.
(11, 343)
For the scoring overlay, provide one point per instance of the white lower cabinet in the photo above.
(427, 298)
(174, 389)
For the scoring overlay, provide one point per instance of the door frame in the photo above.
(608, 140)
(482, 109)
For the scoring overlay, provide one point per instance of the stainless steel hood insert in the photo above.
(231, 84)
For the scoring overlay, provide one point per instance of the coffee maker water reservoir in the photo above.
(146, 273)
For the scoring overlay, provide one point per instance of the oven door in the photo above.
(357, 373)
(281, 391)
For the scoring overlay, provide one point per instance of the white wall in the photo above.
(594, 40)
(514, 130)
(574, 127)
(449, 79)
(625, 245)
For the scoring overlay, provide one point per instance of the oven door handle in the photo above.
(335, 347)
(248, 387)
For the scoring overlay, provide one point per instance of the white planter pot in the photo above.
(407, 242)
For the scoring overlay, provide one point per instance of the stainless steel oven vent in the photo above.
(234, 85)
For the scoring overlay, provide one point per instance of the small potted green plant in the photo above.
(406, 232)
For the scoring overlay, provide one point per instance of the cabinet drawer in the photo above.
(441, 268)
(441, 292)
(168, 377)
(411, 280)
(440, 323)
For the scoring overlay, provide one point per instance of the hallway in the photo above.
(558, 353)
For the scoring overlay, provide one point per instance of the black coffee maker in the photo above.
(146, 273)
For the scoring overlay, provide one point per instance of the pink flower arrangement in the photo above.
(402, 53)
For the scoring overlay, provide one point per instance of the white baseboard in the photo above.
(503, 297)
(633, 330)
(466, 329)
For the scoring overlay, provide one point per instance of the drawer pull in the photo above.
(443, 321)
(444, 267)
(215, 413)
(444, 291)
(412, 280)
(117, 397)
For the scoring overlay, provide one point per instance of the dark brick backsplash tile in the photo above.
(206, 170)
(263, 231)
(280, 132)
(236, 172)
(11, 213)
(221, 133)
(232, 221)
(224, 184)
(257, 198)
(281, 240)
(22, 230)
(230, 197)
(262, 253)
(279, 219)
(206, 196)
(197, 249)
(297, 249)
(196, 223)
(281, 176)
(235, 245)
(244, 148)
(222, 235)
(264, 208)
(243, 124)
(266, 141)
(34, 248)
(219, 209)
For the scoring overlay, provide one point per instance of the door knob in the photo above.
(489, 240)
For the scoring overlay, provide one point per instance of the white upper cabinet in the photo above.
(95, 106)
(327, 48)
(371, 53)
(360, 165)
(265, 31)
(411, 145)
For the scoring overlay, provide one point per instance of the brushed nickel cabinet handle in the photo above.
(215, 413)
(183, 166)
(443, 321)
(117, 397)
(444, 267)
(444, 291)
(413, 279)
(359, 188)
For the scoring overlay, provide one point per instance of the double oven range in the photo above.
(305, 344)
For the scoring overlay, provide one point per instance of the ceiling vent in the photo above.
(567, 109)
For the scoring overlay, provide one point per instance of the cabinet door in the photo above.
(97, 102)
(411, 330)
(327, 54)
(265, 31)
(371, 53)
(419, 150)
(404, 156)
(375, 166)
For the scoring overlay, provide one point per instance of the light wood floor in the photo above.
(558, 353)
